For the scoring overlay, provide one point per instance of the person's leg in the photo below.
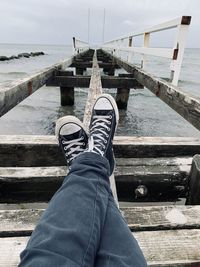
(118, 247)
(69, 231)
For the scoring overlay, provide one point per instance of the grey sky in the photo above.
(56, 21)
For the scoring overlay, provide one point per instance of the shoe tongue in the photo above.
(75, 135)
(103, 112)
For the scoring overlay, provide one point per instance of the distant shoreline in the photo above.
(21, 55)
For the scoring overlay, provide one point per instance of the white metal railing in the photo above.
(79, 46)
(125, 44)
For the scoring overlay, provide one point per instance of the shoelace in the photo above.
(98, 133)
(73, 147)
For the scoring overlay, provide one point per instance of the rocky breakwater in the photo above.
(21, 55)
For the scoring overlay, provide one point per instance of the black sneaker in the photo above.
(72, 137)
(103, 125)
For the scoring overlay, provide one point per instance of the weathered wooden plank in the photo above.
(84, 81)
(160, 248)
(153, 218)
(19, 150)
(193, 197)
(17, 91)
(164, 179)
(170, 247)
(88, 64)
(162, 217)
(184, 104)
(95, 89)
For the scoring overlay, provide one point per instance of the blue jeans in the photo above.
(82, 225)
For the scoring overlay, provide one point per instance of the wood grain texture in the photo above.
(153, 218)
(164, 178)
(160, 248)
(95, 89)
(84, 81)
(186, 105)
(19, 150)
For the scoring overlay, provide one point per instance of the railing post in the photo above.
(67, 93)
(146, 44)
(194, 183)
(179, 47)
(74, 45)
(175, 53)
(130, 55)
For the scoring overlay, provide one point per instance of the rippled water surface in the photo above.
(146, 115)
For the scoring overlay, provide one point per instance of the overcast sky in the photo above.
(56, 21)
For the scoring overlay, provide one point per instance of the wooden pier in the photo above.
(149, 169)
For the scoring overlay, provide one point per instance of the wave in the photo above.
(13, 73)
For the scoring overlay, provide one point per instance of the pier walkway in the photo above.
(150, 170)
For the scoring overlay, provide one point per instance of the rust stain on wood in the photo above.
(158, 90)
(186, 20)
(175, 55)
(30, 87)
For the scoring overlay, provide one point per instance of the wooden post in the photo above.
(146, 44)
(110, 71)
(179, 47)
(79, 71)
(122, 95)
(194, 182)
(67, 93)
(95, 90)
(130, 54)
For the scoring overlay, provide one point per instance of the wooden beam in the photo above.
(79, 71)
(19, 150)
(84, 81)
(184, 104)
(17, 91)
(95, 89)
(169, 248)
(164, 179)
(84, 65)
(21, 222)
(193, 197)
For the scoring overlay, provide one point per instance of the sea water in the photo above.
(146, 115)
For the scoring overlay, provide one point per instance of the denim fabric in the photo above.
(82, 225)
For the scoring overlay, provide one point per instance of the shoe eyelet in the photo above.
(65, 148)
(83, 143)
(109, 122)
(105, 141)
(110, 116)
(108, 129)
